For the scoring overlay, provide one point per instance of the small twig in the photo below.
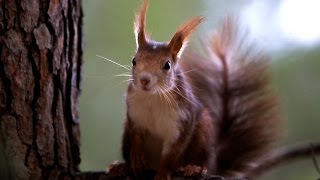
(284, 156)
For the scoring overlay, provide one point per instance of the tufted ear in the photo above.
(140, 24)
(180, 38)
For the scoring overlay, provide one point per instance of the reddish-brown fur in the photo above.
(223, 116)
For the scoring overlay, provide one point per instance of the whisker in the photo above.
(162, 93)
(128, 80)
(123, 66)
(185, 72)
(123, 75)
(128, 66)
(166, 97)
(192, 86)
(180, 93)
(170, 96)
(183, 88)
(159, 93)
(125, 81)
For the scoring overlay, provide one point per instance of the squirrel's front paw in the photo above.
(192, 170)
(117, 169)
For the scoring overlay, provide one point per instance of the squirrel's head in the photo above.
(154, 66)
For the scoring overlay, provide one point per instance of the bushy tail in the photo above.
(249, 118)
(238, 95)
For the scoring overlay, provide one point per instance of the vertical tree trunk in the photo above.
(41, 47)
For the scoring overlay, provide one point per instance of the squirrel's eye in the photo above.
(133, 61)
(167, 66)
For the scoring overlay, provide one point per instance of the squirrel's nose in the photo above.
(144, 80)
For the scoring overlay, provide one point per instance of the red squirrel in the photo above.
(211, 111)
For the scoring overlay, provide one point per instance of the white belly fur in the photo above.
(158, 117)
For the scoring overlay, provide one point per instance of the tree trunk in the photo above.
(40, 79)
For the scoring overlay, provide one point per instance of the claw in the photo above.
(192, 170)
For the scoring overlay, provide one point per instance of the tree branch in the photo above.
(286, 155)
(147, 175)
(279, 157)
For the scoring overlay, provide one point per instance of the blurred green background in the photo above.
(287, 29)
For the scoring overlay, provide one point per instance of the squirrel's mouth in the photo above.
(144, 88)
(149, 90)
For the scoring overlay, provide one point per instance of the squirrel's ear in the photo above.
(180, 38)
(140, 24)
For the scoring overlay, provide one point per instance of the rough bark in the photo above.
(41, 46)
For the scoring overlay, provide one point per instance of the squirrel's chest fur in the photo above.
(154, 114)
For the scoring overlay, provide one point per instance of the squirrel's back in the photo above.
(231, 79)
